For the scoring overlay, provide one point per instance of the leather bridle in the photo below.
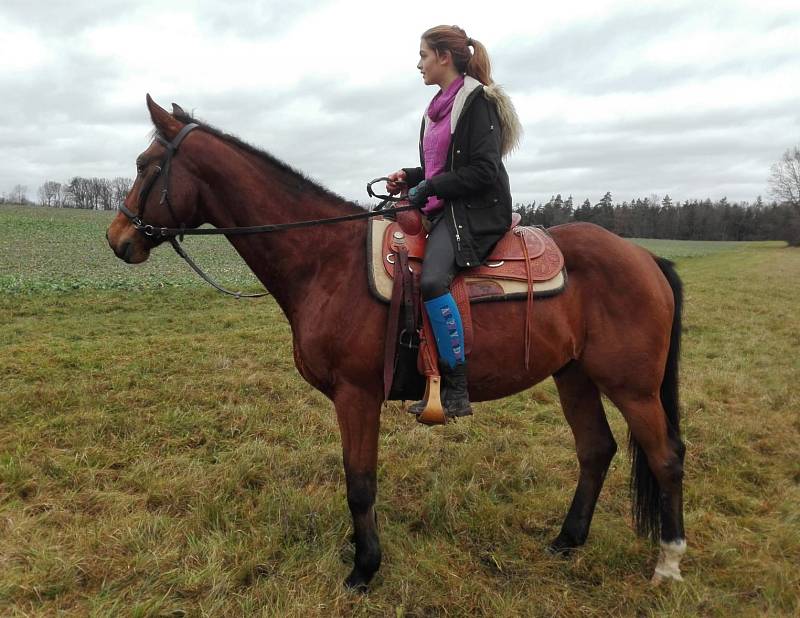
(137, 220)
(180, 230)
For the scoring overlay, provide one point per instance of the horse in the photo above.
(615, 330)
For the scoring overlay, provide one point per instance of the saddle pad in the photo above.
(502, 277)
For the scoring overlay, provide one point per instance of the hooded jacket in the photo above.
(475, 187)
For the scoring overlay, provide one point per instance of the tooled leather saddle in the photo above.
(524, 264)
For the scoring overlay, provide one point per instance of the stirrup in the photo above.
(433, 414)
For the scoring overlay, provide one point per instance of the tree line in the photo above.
(649, 217)
(85, 193)
(652, 217)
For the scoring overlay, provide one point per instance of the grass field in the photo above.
(160, 455)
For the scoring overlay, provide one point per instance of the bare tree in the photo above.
(79, 193)
(19, 194)
(100, 190)
(51, 193)
(119, 191)
(784, 178)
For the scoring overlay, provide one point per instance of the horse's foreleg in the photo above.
(595, 448)
(358, 414)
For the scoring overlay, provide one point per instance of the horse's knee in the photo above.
(598, 455)
(361, 493)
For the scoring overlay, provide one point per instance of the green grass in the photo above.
(160, 456)
(674, 249)
(56, 249)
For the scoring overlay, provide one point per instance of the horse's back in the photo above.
(600, 258)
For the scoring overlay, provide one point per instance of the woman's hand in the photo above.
(397, 181)
(418, 196)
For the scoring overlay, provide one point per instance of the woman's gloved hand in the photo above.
(419, 195)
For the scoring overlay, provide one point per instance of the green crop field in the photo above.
(160, 455)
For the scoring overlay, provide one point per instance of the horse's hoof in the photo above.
(669, 559)
(659, 579)
(561, 547)
(356, 582)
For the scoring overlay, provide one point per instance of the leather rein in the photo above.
(176, 234)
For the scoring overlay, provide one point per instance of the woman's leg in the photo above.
(438, 269)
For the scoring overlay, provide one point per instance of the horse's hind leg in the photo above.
(358, 413)
(595, 448)
(657, 478)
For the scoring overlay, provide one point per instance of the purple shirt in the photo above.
(436, 140)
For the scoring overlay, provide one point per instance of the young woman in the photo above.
(461, 186)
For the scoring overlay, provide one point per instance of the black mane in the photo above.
(293, 178)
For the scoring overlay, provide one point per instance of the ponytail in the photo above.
(479, 65)
(454, 40)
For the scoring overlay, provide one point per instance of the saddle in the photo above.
(524, 264)
(504, 275)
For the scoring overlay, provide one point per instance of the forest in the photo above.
(652, 217)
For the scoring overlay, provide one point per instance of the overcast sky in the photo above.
(692, 98)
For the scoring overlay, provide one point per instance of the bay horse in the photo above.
(615, 330)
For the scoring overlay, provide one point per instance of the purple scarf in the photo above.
(436, 141)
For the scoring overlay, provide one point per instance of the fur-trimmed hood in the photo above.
(512, 128)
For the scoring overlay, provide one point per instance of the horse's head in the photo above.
(164, 193)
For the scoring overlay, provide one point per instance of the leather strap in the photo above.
(392, 324)
(461, 295)
(529, 303)
(428, 352)
(408, 297)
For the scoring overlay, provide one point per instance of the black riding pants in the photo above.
(439, 265)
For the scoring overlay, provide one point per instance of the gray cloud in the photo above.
(250, 19)
(69, 117)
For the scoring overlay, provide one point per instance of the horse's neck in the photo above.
(289, 263)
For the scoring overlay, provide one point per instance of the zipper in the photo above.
(455, 226)
(452, 206)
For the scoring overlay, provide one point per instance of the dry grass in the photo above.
(160, 456)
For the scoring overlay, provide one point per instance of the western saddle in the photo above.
(524, 264)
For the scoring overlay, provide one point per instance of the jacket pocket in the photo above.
(480, 202)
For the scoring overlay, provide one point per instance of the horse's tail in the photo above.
(645, 492)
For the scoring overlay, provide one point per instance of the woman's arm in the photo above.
(414, 176)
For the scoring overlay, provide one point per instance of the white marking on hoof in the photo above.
(669, 560)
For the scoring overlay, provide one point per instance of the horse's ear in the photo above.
(177, 110)
(166, 125)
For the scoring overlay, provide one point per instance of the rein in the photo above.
(176, 234)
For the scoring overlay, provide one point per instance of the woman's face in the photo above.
(432, 65)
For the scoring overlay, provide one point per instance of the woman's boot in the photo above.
(455, 396)
(445, 320)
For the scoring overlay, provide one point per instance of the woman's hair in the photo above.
(454, 40)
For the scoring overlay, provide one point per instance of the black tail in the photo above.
(645, 492)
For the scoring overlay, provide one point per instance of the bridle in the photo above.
(137, 220)
(176, 234)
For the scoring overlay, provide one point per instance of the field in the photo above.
(160, 455)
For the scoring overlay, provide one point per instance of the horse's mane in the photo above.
(293, 178)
